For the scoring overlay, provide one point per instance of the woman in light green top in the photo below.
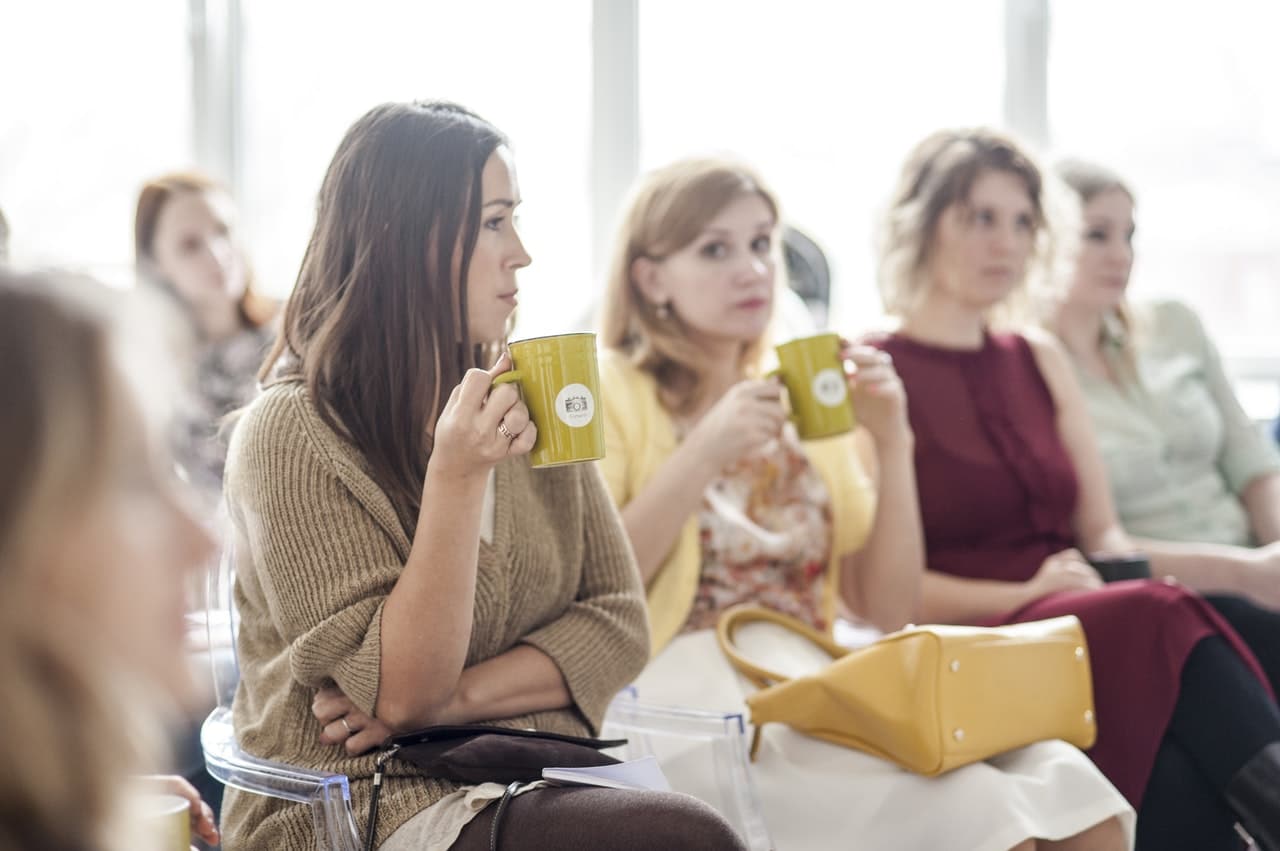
(1189, 472)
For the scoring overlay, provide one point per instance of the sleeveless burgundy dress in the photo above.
(997, 494)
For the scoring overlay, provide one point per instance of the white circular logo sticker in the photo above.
(829, 387)
(575, 406)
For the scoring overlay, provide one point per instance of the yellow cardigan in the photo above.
(640, 436)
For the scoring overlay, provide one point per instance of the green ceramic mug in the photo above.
(166, 820)
(559, 381)
(811, 370)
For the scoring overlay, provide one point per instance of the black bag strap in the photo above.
(379, 768)
(501, 811)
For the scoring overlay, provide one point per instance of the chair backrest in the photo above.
(223, 623)
(328, 795)
(808, 272)
(703, 754)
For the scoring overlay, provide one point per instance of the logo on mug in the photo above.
(575, 406)
(829, 387)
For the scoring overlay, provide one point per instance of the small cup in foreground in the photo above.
(164, 821)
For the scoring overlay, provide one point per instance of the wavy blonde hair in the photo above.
(667, 210)
(940, 173)
(1087, 180)
(70, 735)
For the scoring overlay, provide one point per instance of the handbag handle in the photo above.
(746, 613)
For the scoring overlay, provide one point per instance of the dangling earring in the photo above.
(663, 309)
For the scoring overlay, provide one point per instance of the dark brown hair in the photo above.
(255, 309)
(376, 325)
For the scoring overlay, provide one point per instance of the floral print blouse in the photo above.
(765, 529)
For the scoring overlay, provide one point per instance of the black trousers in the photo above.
(1223, 717)
(1259, 627)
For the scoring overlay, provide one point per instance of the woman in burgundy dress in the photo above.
(1012, 490)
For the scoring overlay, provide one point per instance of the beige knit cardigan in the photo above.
(318, 547)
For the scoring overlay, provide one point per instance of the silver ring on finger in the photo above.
(346, 726)
(506, 432)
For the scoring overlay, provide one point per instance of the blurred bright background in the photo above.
(824, 98)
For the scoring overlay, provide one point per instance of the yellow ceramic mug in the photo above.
(166, 822)
(812, 372)
(560, 383)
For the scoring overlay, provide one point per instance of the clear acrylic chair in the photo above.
(703, 754)
(328, 795)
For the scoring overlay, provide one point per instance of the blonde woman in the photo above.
(723, 504)
(1184, 461)
(1013, 491)
(95, 548)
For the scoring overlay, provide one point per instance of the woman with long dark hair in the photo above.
(400, 563)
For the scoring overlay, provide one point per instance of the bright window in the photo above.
(826, 99)
(1180, 100)
(96, 99)
(312, 69)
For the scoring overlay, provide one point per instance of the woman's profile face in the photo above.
(499, 252)
(195, 251)
(127, 555)
(981, 247)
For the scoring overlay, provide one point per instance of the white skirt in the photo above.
(817, 795)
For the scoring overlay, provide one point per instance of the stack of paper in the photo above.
(641, 773)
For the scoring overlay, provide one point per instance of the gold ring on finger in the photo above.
(506, 432)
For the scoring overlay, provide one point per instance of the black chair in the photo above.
(808, 272)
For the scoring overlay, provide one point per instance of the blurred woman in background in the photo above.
(1193, 478)
(187, 247)
(186, 243)
(95, 547)
(1013, 494)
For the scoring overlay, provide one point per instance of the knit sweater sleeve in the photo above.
(322, 565)
(601, 642)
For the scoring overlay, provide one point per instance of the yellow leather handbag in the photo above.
(930, 698)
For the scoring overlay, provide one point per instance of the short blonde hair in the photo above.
(938, 174)
(667, 210)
